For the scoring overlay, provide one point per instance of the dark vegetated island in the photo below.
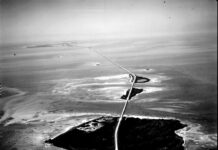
(139, 79)
(142, 79)
(134, 92)
(134, 134)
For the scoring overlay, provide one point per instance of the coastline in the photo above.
(155, 126)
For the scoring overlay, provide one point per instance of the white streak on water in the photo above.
(121, 76)
(152, 89)
(171, 110)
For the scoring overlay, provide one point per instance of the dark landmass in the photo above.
(141, 79)
(134, 134)
(134, 92)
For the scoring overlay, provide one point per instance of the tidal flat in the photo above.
(60, 88)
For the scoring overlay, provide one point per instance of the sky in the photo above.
(29, 20)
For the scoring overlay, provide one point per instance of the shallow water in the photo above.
(55, 88)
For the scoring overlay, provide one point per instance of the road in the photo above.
(123, 111)
(133, 80)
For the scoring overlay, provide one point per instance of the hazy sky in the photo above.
(23, 20)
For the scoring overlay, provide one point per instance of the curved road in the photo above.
(123, 111)
(133, 80)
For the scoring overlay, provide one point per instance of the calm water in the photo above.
(61, 85)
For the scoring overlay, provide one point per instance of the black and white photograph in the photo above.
(108, 74)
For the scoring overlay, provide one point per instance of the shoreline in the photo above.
(96, 127)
